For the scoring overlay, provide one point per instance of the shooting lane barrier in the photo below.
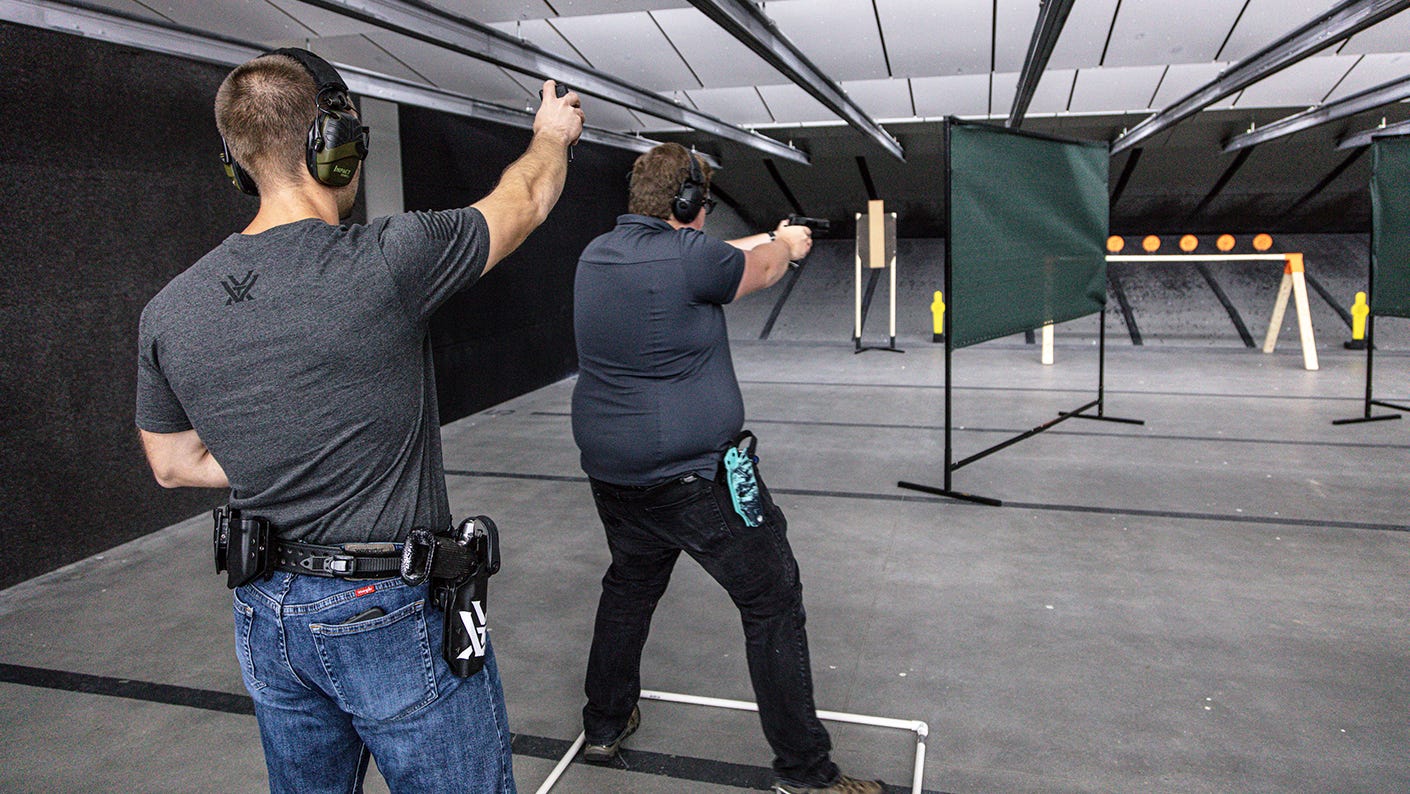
(918, 727)
(1388, 279)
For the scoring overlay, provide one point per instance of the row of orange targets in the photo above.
(1188, 243)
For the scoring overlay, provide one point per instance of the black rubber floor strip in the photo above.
(1050, 390)
(169, 694)
(1082, 433)
(1231, 518)
(676, 767)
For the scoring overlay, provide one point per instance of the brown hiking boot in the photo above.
(842, 785)
(602, 753)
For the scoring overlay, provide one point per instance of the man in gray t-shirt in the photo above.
(654, 409)
(291, 364)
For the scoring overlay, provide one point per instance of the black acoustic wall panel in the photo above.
(513, 331)
(110, 186)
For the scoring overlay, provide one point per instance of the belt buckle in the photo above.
(340, 564)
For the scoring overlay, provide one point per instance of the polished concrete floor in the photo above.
(1214, 601)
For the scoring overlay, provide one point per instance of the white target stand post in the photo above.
(1295, 284)
(876, 246)
(919, 728)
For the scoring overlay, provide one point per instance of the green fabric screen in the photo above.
(1027, 232)
(1390, 225)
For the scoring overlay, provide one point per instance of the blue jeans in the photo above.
(647, 528)
(329, 691)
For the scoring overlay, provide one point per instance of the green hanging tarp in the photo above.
(1027, 231)
(1390, 224)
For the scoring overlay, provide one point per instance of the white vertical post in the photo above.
(1294, 285)
(892, 265)
(1304, 312)
(857, 314)
(1047, 343)
(1280, 307)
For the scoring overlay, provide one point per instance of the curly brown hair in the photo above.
(657, 176)
(263, 110)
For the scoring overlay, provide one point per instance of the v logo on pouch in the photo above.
(474, 629)
(239, 290)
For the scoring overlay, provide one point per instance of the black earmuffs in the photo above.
(337, 140)
(691, 196)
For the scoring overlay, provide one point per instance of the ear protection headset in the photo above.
(337, 141)
(691, 197)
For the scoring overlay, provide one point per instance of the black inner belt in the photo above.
(348, 561)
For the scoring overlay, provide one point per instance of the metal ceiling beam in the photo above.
(1370, 99)
(1346, 19)
(746, 22)
(118, 28)
(484, 43)
(1364, 137)
(1052, 15)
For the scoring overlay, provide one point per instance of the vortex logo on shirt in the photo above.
(239, 289)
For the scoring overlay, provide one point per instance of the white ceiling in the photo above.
(898, 59)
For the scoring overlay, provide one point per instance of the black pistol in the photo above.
(560, 90)
(816, 224)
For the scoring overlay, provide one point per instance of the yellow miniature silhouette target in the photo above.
(1359, 311)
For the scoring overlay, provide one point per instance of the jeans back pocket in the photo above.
(380, 668)
(244, 628)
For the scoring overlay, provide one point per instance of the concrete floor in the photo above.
(1216, 601)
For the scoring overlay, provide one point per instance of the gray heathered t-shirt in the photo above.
(656, 395)
(300, 356)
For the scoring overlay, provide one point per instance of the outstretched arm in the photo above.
(531, 185)
(765, 263)
(182, 460)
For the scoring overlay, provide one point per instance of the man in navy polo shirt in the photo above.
(655, 408)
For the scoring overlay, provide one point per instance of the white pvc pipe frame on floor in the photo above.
(918, 727)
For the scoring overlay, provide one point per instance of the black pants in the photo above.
(647, 528)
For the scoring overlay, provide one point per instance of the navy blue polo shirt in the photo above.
(656, 395)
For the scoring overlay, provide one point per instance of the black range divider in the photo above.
(950, 464)
(512, 332)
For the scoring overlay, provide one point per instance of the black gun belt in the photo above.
(349, 561)
(364, 560)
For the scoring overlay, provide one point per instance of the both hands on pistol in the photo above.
(797, 234)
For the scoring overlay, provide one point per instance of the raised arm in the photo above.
(766, 262)
(182, 460)
(531, 185)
